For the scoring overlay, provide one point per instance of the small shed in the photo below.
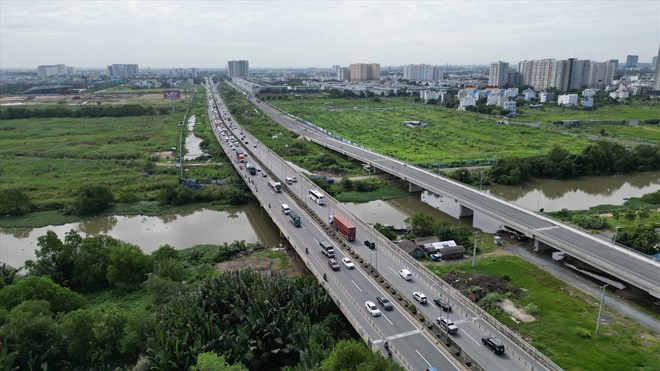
(411, 248)
(451, 252)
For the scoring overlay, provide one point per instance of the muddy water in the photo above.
(249, 223)
(579, 194)
(252, 224)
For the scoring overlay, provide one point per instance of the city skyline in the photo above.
(161, 34)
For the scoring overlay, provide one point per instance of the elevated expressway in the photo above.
(414, 346)
(490, 212)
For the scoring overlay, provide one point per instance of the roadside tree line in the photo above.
(13, 113)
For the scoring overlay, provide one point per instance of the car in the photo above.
(494, 344)
(385, 302)
(447, 325)
(444, 304)
(294, 179)
(348, 263)
(255, 146)
(263, 174)
(258, 168)
(371, 308)
(435, 257)
(420, 297)
(405, 274)
(333, 264)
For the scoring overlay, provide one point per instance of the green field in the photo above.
(450, 135)
(565, 321)
(551, 113)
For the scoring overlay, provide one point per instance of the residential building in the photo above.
(492, 99)
(529, 94)
(614, 62)
(123, 70)
(364, 71)
(588, 93)
(51, 70)
(509, 106)
(344, 74)
(467, 102)
(601, 74)
(240, 68)
(631, 61)
(567, 100)
(588, 102)
(511, 92)
(427, 95)
(422, 72)
(498, 74)
(545, 97)
(620, 94)
(656, 83)
(335, 68)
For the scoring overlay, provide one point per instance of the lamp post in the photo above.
(616, 232)
(600, 309)
(481, 180)
(474, 252)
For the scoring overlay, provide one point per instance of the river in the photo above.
(252, 224)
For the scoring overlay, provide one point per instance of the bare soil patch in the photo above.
(266, 266)
(509, 307)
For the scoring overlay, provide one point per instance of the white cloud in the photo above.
(310, 33)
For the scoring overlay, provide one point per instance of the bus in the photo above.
(317, 197)
(276, 186)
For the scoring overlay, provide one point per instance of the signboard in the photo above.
(171, 94)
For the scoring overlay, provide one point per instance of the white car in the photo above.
(348, 263)
(372, 308)
(405, 274)
(420, 297)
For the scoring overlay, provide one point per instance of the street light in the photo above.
(616, 232)
(600, 309)
(474, 253)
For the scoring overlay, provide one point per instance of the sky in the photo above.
(206, 34)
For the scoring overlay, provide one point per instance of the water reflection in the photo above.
(579, 194)
(97, 226)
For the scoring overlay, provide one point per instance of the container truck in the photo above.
(343, 226)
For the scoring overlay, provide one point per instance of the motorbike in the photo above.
(325, 278)
(306, 250)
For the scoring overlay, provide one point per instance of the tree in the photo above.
(33, 334)
(419, 225)
(90, 263)
(127, 267)
(354, 355)
(93, 199)
(77, 329)
(14, 202)
(54, 259)
(210, 361)
(60, 299)
(7, 274)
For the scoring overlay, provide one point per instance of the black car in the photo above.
(333, 264)
(443, 304)
(494, 344)
(385, 302)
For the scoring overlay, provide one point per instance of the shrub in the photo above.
(583, 333)
(531, 308)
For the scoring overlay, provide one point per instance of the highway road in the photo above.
(632, 267)
(413, 347)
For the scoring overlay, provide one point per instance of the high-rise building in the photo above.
(498, 74)
(344, 74)
(615, 63)
(422, 72)
(631, 61)
(123, 70)
(565, 75)
(601, 74)
(238, 68)
(335, 68)
(364, 71)
(656, 76)
(51, 70)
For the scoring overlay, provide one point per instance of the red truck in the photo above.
(343, 226)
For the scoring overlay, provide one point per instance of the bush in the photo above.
(583, 333)
(531, 308)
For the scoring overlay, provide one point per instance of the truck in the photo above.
(343, 226)
(239, 154)
(295, 219)
(251, 169)
(275, 185)
(327, 249)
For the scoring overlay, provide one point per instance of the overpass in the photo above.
(415, 339)
(489, 212)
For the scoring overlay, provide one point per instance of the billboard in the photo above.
(171, 94)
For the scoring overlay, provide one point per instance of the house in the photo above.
(546, 97)
(423, 241)
(588, 93)
(411, 248)
(619, 94)
(467, 102)
(587, 102)
(528, 94)
(567, 100)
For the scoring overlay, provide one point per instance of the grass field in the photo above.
(450, 135)
(551, 113)
(464, 136)
(565, 323)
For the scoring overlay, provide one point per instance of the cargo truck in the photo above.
(327, 249)
(295, 219)
(343, 226)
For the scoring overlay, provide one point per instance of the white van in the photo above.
(285, 209)
(405, 274)
(288, 180)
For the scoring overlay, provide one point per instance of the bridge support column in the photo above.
(414, 188)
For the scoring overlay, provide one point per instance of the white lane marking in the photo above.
(422, 357)
(388, 320)
(356, 285)
(398, 336)
(476, 342)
